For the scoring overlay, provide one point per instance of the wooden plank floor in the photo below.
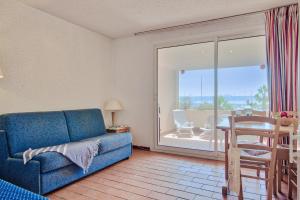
(148, 175)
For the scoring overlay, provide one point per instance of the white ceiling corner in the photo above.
(119, 18)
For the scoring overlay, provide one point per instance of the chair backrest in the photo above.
(294, 143)
(246, 126)
(249, 112)
(179, 118)
(291, 114)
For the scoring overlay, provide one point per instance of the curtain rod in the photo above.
(205, 21)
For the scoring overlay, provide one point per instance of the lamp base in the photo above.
(113, 119)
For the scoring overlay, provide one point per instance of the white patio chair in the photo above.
(183, 126)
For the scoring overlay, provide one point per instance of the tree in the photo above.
(185, 103)
(224, 104)
(205, 106)
(260, 99)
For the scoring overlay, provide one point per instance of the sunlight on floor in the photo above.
(199, 141)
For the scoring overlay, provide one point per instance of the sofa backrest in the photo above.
(35, 130)
(1, 122)
(85, 123)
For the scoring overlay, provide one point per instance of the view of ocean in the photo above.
(236, 101)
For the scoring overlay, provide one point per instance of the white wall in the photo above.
(50, 64)
(134, 86)
(134, 69)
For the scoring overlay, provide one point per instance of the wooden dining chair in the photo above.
(294, 157)
(283, 157)
(257, 156)
(292, 178)
(283, 164)
(251, 112)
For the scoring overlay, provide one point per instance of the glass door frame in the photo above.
(215, 155)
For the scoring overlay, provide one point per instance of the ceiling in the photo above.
(119, 18)
(231, 53)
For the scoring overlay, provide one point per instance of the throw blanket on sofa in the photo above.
(81, 153)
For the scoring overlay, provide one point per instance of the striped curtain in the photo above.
(282, 57)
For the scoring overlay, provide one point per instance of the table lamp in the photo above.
(113, 106)
(1, 74)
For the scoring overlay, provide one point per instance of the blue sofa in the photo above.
(50, 171)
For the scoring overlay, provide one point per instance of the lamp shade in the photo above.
(113, 105)
(1, 73)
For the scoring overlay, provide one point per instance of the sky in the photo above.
(235, 81)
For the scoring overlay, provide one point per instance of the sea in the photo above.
(236, 101)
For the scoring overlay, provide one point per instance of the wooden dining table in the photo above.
(265, 127)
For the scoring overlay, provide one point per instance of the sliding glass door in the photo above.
(199, 84)
(242, 77)
(186, 96)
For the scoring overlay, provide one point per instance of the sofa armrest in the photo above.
(3, 147)
(14, 170)
(26, 176)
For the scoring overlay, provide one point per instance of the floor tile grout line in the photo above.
(170, 177)
(91, 189)
(143, 171)
(168, 187)
(220, 174)
(197, 167)
(103, 191)
(77, 193)
(193, 164)
(158, 191)
(181, 174)
(150, 174)
(175, 165)
(149, 182)
(137, 187)
(184, 164)
(184, 173)
(186, 185)
(161, 180)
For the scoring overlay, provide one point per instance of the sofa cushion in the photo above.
(35, 130)
(49, 161)
(112, 141)
(85, 123)
(52, 160)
